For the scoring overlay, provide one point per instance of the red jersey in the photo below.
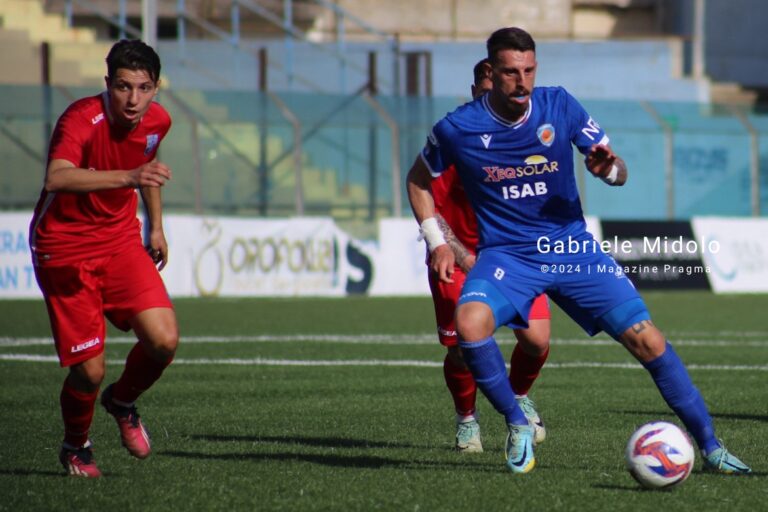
(452, 204)
(70, 226)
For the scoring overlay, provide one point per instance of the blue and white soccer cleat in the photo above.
(534, 420)
(722, 461)
(468, 437)
(519, 448)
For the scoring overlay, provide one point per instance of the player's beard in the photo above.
(507, 107)
(516, 109)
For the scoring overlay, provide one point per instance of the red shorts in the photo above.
(78, 296)
(446, 295)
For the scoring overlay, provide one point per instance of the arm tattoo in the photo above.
(459, 251)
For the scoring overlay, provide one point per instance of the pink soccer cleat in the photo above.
(132, 432)
(79, 461)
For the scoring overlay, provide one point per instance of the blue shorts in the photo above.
(589, 286)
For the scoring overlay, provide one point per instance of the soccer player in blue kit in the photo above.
(513, 151)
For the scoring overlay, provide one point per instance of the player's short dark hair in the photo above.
(479, 71)
(134, 55)
(510, 38)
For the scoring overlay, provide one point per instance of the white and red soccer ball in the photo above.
(659, 455)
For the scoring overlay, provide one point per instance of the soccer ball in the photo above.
(659, 455)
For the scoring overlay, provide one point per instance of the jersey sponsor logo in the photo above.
(152, 141)
(98, 118)
(446, 332)
(546, 134)
(591, 129)
(537, 188)
(486, 138)
(86, 345)
(534, 165)
(472, 294)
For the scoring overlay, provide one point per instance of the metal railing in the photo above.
(305, 154)
(233, 37)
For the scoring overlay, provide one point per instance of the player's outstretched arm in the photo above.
(418, 184)
(64, 176)
(606, 165)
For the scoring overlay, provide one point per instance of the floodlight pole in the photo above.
(149, 22)
(45, 77)
(698, 39)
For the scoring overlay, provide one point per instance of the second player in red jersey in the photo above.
(88, 252)
(67, 224)
(458, 222)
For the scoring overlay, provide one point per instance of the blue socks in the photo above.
(489, 369)
(681, 395)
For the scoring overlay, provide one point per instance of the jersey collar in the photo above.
(107, 110)
(499, 119)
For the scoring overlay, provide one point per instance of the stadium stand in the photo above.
(237, 114)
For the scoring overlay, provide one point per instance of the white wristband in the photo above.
(431, 232)
(612, 176)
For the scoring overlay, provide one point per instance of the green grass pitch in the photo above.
(340, 404)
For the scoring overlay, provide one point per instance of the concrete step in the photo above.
(732, 94)
(41, 26)
(21, 57)
(85, 61)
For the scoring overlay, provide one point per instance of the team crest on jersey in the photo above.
(546, 134)
(152, 141)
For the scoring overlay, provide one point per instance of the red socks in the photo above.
(141, 371)
(524, 369)
(77, 413)
(462, 386)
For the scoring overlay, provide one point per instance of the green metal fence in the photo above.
(284, 154)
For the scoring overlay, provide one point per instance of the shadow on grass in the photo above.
(32, 472)
(328, 442)
(346, 461)
(753, 474)
(751, 417)
(723, 416)
(629, 488)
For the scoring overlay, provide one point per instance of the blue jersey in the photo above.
(519, 177)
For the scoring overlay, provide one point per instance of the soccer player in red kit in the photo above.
(459, 226)
(88, 254)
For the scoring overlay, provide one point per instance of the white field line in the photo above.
(259, 361)
(387, 339)
(724, 333)
(415, 339)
